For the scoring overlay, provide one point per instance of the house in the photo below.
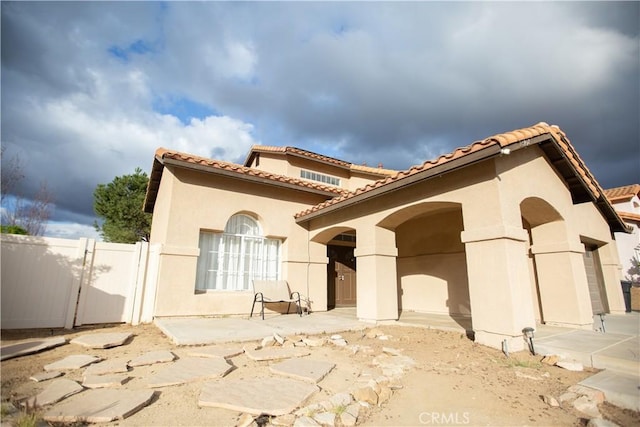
(510, 230)
(626, 201)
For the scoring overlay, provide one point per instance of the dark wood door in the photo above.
(341, 276)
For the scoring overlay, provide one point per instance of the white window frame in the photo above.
(229, 260)
(315, 176)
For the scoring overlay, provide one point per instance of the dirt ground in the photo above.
(455, 382)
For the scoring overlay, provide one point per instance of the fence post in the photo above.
(77, 267)
(86, 272)
(141, 255)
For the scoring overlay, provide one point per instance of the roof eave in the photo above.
(489, 151)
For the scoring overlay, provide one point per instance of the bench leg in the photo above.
(262, 310)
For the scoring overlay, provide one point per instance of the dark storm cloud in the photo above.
(89, 90)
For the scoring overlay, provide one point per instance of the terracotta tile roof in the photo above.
(318, 157)
(517, 138)
(621, 194)
(190, 160)
(629, 216)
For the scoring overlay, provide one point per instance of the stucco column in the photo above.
(377, 281)
(611, 273)
(499, 287)
(562, 281)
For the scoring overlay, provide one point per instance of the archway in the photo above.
(341, 266)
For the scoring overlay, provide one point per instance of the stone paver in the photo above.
(216, 351)
(190, 369)
(75, 361)
(101, 381)
(55, 392)
(303, 369)
(44, 376)
(29, 347)
(109, 366)
(153, 357)
(106, 340)
(275, 353)
(99, 406)
(273, 396)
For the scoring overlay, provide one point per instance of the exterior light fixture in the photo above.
(528, 336)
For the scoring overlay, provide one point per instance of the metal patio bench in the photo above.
(274, 291)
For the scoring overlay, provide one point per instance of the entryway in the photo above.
(341, 277)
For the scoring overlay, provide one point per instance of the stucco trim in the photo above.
(494, 233)
(558, 247)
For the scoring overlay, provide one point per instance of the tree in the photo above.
(120, 203)
(633, 274)
(19, 213)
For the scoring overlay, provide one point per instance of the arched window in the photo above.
(228, 261)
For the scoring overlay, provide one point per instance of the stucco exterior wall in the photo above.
(180, 225)
(628, 244)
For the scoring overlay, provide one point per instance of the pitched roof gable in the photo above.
(317, 157)
(164, 156)
(552, 140)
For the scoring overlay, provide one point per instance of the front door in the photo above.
(594, 280)
(341, 274)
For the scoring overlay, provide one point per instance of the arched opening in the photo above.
(431, 263)
(545, 226)
(341, 267)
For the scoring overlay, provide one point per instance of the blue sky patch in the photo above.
(138, 47)
(184, 109)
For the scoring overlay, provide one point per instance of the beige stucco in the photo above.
(499, 240)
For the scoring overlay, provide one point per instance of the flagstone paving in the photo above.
(44, 376)
(99, 406)
(101, 381)
(273, 396)
(75, 361)
(29, 347)
(109, 366)
(216, 351)
(153, 357)
(55, 392)
(190, 369)
(303, 369)
(106, 340)
(275, 353)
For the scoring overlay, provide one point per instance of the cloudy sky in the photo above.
(90, 90)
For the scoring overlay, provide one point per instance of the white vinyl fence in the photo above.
(53, 283)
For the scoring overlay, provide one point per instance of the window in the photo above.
(229, 261)
(313, 176)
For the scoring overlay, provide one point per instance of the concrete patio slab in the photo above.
(216, 351)
(275, 353)
(101, 381)
(29, 347)
(106, 340)
(75, 361)
(55, 392)
(153, 357)
(273, 396)
(619, 389)
(190, 369)
(303, 369)
(44, 376)
(623, 357)
(99, 406)
(109, 366)
(211, 330)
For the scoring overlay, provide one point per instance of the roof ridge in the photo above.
(241, 169)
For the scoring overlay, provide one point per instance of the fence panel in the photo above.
(53, 283)
(38, 279)
(108, 288)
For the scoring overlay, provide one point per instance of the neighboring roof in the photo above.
(629, 216)
(164, 156)
(622, 194)
(298, 152)
(551, 139)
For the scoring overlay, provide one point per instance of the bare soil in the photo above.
(455, 382)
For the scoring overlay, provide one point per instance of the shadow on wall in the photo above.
(46, 282)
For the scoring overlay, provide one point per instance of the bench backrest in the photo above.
(272, 289)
